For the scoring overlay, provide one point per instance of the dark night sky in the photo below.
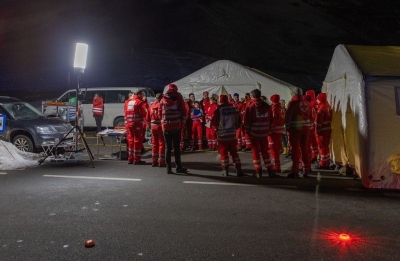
(151, 43)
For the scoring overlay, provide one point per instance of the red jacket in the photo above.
(204, 103)
(153, 116)
(98, 106)
(189, 105)
(323, 120)
(258, 118)
(210, 112)
(134, 111)
(172, 111)
(241, 108)
(298, 114)
(278, 118)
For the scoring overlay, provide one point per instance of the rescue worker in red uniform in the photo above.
(277, 128)
(241, 142)
(146, 106)
(157, 135)
(257, 123)
(197, 116)
(298, 121)
(247, 143)
(98, 110)
(312, 139)
(211, 131)
(173, 115)
(135, 114)
(323, 129)
(205, 102)
(188, 126)
(226, 120)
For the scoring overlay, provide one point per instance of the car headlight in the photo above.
(44, 129)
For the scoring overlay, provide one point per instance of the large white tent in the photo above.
(363, 88)
(227, 77)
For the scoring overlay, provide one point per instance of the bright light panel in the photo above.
(80, 55)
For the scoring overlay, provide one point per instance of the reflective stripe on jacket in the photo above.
(298, 114)
(172, 111)
(258, 118)
(98, 106)
(134, 110)
(153, 116)
(323, 120)
(278, 118)
(226, 119)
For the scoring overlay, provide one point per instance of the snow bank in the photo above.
(12, 158)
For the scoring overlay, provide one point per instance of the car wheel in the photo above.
(23, 143)
(119, 122)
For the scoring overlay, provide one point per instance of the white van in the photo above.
(113, 97)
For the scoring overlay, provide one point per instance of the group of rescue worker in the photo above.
(230, 125)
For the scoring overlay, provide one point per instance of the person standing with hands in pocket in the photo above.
(98, 111)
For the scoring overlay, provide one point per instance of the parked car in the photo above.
(27, 128)
(114, 98)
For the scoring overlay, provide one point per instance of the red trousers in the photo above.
(299, 145)
(313, 145)
(275, 145)
(197, 132)
(260, 145)
(241, 141)
(247, 140)
(183, 136)
(134, 136)
(189, 131)
(158, 145)
(211, 135)
(225, 147)
(323, 139)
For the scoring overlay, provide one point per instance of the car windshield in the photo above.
(22, 110)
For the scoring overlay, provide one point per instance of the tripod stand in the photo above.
(76, 149)
(78, 132)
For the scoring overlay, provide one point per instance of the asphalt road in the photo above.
(141, 213)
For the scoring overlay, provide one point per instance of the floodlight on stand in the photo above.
(81, 51)
(80, 57)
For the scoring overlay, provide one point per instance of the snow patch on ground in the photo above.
(12, 158)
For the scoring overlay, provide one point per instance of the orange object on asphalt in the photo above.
(89, 243)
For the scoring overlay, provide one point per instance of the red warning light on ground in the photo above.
(344, 237)
(89, 243)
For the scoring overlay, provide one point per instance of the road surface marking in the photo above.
(85, 177)
(3, 173)
(218, 183)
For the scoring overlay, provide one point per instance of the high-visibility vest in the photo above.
(98, 106)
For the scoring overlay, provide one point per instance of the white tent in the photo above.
(363, 87)
(226, 77)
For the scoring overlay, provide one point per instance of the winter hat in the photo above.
(275, 98)
(322, 97)
(256, 93)
(311, 93)
(223, 99)
(172, 87)
(236, 95)
(205, 92)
